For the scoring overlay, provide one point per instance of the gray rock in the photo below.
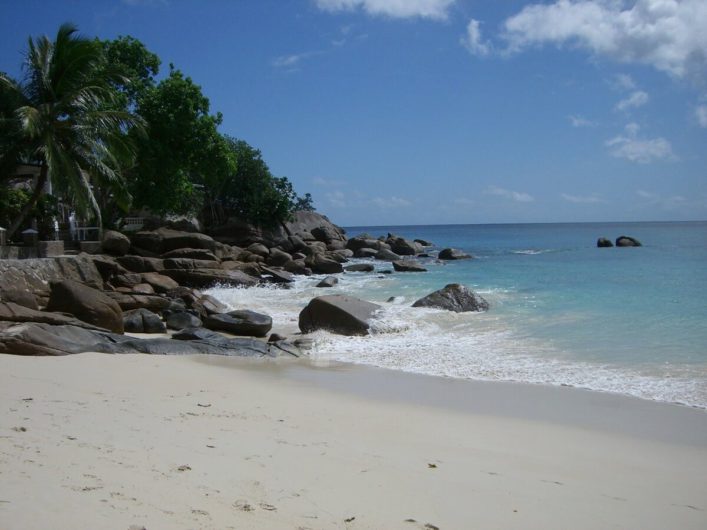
(190, 264)
(143, 321)
(141, 264)
(12, 312)
(387, 255)
(365, 252)
(344, 315)
(453, 254)
(159, 282)
(454, 297)
(298, 267)
(19, 297)
(129, 301)
(240, 322)
(408, 266)
(259, 249)
(193, 253)
(423, 242)
(402, 246)
(278, 276)
(602, 242)
(627, 241)
(323, 265)
(165, 239)
(87, 304)
(329, 281)
(359, 267)
(204, 278)
(129, 279)
(277, 257)
(181, 320)
(143, 288)
(212, 305)
(115, 243)
(276, 337)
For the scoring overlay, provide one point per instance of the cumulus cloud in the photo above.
(582, 199)
(624, 82)
(701, 115)
(666, 34)
(635, 149)
(293, 61)
(391, 202)
(336, 198)
(473, 41)
(433, 9)
(509, 194)
(579, 121)
(634, 100)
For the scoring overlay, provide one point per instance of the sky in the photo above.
(439, 111)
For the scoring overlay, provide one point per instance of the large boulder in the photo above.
(193, 253)
(386, 255)
(321, 264)
(115, 243)
(182, 320)
(12, 312)
(141, 263)
(602, 242)
(453, 254)
(19, 297)
(87, 304)
(277, 257)
(340, 314)
(627, 241)
(329, 281)
(204, 278)
(402, 246)
(240, 322)
(454, 297)
(129, 301)
(277, 276)
(165, 239)
(360, 267)
(408, 265)
(143, 321)
(159, 282)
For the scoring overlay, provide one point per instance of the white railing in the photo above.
(130, 224)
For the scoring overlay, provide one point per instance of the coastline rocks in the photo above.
(602, 242)
(343, 315)
(386, 255)
(129, 301)
(115, 243)
(141, 263)
(193, 253)
(181, 320)
(402, 246)
(408, 266)
(453, 297)
(359, 267)
(159, 282)
(203, 278)
(277, 276)
(329, 281)
(453, 254)
(22, 298)
(627, 241)
(165, 239)
(86, 304)
(12, 312)
(240, 322)
(365, 252)
(320, 264)
(143, 321)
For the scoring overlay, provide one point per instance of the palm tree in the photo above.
(65, 119)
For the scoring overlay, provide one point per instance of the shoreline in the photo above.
(111, 441)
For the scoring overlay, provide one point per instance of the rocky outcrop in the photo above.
(165, 239)
(329, 281)
(45, 339)
(386, 255)
(204, 278)
(402, 246)
(130, 301)
(143, 321)
(35, 275)
(193, 253)
(453, 254)
(240, 322)
(19, 297)
(340, 314)
(627, 241)
(320, 264)
(408, 266)
(602, 242)
(141, 263)
(159, 282)
(11, 312)
(115, 243)
(454, 297)
(87, 304)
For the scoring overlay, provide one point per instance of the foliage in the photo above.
(304, 204)
(13, 200)
(67, 121)
(184, 152)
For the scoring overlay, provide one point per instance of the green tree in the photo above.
(66, 120)
(184, 154)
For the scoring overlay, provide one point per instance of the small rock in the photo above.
(453, 254)
(329, 281)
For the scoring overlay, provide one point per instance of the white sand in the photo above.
(182, 442)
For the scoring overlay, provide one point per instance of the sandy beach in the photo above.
(111, 441)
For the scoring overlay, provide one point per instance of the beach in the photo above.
(165, 442)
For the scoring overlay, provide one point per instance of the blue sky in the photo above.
(439, 111)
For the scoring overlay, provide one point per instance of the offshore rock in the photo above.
(408, 266)
(454, 297)
(344, 315)
(453, 254)
(602, 242)
(627, 241)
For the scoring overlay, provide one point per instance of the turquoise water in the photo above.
(563, 312)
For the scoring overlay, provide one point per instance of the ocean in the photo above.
(563, 312)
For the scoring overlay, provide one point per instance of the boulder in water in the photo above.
(340, 314)
(454, 297)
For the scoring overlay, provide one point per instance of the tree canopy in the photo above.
(110, 135)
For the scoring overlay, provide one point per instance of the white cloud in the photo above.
(582, 199)
(666, 34)
(392, 202)
(336, 198)
(666, 203)
(463, 201)
(434, 9)
(579, 121)
(643, 151)
(473, 42)
(509, 194)
(634, 100)
(291, 62)
(624, 82)
(701, 115)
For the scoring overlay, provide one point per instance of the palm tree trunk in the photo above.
(41, 181)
